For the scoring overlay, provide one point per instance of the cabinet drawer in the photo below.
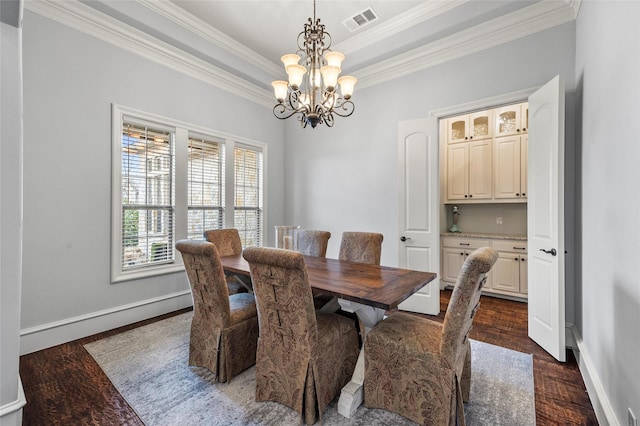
(510, 245)
(465, 243)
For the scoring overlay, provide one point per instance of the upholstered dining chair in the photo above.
(304, 357)
(313, 243)
(421, 369)
(224, 328)
(228, 243)
(361, 247)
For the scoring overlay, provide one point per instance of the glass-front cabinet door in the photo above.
(481, 125)
(458, 129)
(508, 120)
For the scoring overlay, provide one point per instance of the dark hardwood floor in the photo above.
(64, 385)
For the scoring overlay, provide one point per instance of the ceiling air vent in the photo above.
(360, 19)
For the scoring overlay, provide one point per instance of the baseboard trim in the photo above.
(11, 413)
(55, 333)
(601, 405)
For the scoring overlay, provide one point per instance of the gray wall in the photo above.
(71, 79)
(346, 178)
(608, 233)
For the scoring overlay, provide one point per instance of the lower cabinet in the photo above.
(507, 277)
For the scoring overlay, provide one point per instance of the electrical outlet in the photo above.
(499, 220)
(632, 418)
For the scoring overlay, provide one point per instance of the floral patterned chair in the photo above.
(421, 369)
(304, 357)
(228, 243)
(313, 243)
(361, 247)
(224, 328)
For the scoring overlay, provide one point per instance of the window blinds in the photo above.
(206, 186)
(248, 197)
(147, 194)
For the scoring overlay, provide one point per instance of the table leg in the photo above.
(352, 393)
(244, 280)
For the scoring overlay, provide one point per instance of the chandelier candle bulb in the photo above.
(280, 89)
(296, 73)
(347, 84)
(334, 59)
(330, 76)
(290, 59)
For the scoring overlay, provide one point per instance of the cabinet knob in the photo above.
(461, 254)
(517, 194)
(515, 258)
(524, 195)
(524, 129)
(517, 130)
(465, 196)
(470, 195)
(470, 137)
(466, 137)
(522, 259)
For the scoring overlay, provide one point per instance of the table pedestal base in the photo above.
(352, 394)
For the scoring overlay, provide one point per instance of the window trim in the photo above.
(181, 130)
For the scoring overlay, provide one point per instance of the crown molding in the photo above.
(417, 15)
(575, 4)
(537, 17)
(205, 31)
(97, 24)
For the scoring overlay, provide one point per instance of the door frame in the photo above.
(463, 108)
(479, 104)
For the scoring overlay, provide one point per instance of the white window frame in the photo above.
(182, 132)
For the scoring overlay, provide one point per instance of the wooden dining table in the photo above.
(366, 290)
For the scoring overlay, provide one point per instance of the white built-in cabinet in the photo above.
(469, 170)
(468, 127)
(508, 276)
(486, 156)
(510, 162)
(511, 119)
(454, 252)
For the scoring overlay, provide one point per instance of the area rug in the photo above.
(148, 366)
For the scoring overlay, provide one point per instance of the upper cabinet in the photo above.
(510, 162)
(511, 119)
(470, 127)
(486, 156)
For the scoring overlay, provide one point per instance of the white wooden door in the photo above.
(545, 218)
(419, 245)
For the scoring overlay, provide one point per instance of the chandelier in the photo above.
(313, 71)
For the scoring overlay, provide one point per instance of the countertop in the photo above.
(484, 235)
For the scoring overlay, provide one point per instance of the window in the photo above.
(248, 195)
(206, 186)
(147, 195)
(171, 181)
